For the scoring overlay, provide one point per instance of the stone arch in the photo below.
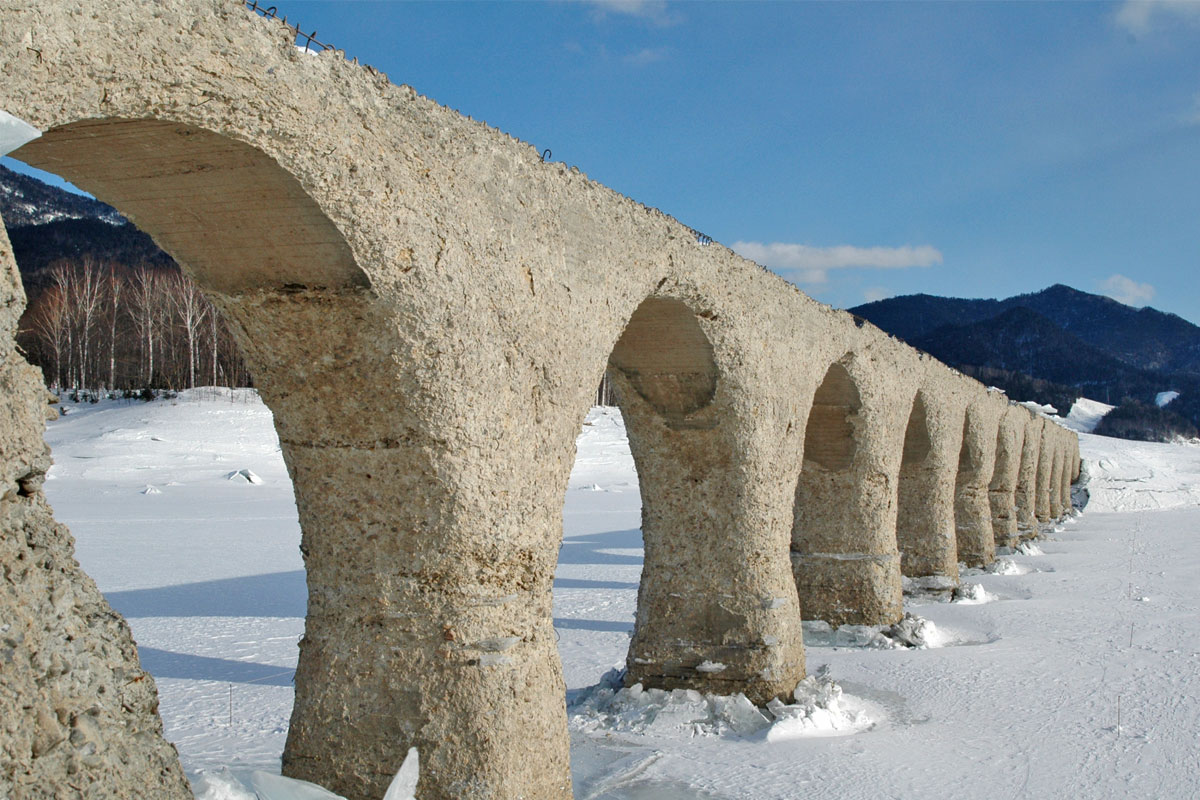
(1010, 439)
(975, 541)
(699, 600)
(925, 524)
(324, 349)
(279, 270)
(844, 555)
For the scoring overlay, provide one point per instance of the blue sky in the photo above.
(859, 149)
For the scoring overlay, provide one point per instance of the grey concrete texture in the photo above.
(429, 350)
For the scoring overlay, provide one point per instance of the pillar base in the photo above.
(849, 588)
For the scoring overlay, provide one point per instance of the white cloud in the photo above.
(647, 55)
(1127, 291)
(654, 11)
(806, 264)
(1141, 16)
(873, 293)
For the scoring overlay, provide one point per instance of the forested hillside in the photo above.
(1058, 344)
(107, 309)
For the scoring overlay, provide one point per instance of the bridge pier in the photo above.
(925, 520)
(1068, 475)
(844, 556)
(717, 606)
(1057, 510)
(1045, 466)
(1026, 491)
(1010, 438)
(976, 542)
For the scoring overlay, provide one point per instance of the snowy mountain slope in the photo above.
(1022, 702)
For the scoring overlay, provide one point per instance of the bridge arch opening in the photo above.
(699, 617)
(972, 509)
(226, 210)
(922, 525)
(279, 270)
(1002, 488)
(843, 547)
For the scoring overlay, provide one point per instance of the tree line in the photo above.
(102, 325)
(105, 326)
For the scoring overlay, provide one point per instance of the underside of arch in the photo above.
(667, 358)
(224, 209)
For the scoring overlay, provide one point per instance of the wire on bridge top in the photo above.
(270, 12)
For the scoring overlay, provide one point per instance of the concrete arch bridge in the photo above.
(427, 309)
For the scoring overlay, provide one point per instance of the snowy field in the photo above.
(1020, 700)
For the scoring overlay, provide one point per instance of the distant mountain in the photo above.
(1022, 340)
(46, 224)
(1080, 343)
(28, 201)
(1143, 338)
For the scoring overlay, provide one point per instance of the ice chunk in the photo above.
(220, 785)
(277, 787)
(244, 476)
(404, 785)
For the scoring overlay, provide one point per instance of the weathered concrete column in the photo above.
(78, 716)
(1045, 467)
(1056, 473)
(429, 574)
(717, 604)
(844, 555)
(925, 519)
(1071, 473)
(1010, 438)
(1026, 492)
(976, 543)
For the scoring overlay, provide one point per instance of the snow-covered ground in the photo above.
(1018, 696)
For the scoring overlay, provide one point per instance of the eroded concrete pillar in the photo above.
(1026, 492)
(717, 605)
(78, 716)
(1045, 467)
(844, 555)
(976, 543)
(1056, 473)
(1010, 439)
(925, 519)
(429, 574)
(1071, 474)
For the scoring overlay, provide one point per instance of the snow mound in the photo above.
(973, 594)
(1030, 549)
(151, 490)
(819, 709)
(607, 707)
(1086, 414)
(1006, 566)
(222, 785)
(244, 476)
(1164, 398)
(1038, 408)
